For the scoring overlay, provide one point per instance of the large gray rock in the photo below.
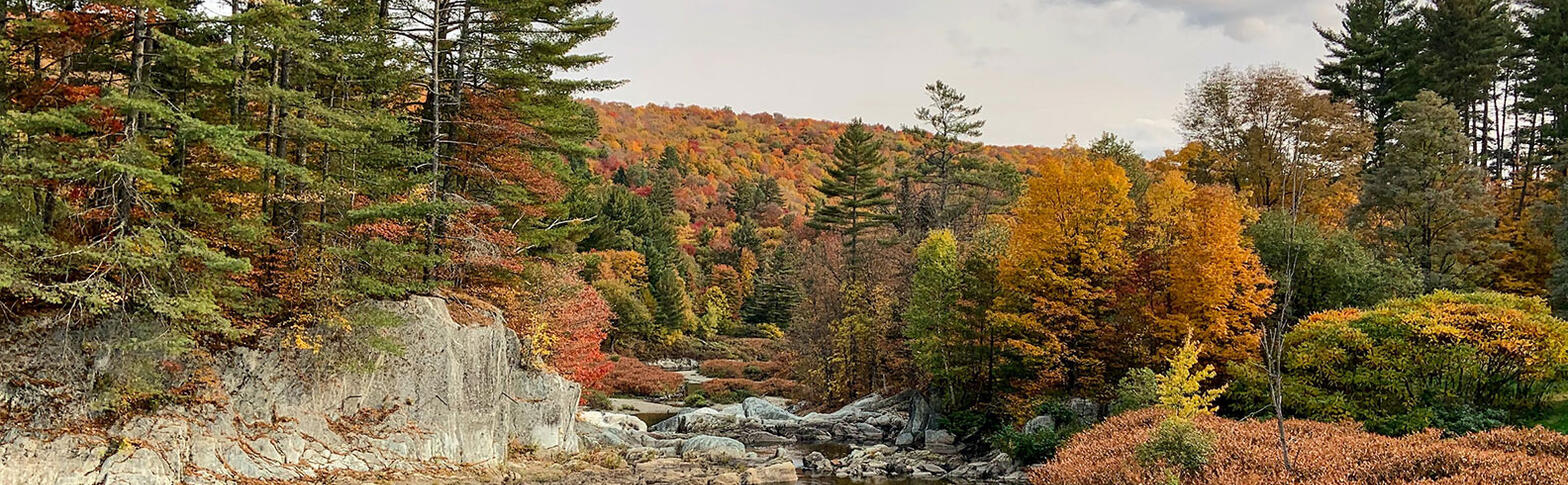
(756, 407)
(455, 395)
(941, 441)
(1087, 411)
(1042, 423)
(714, 448)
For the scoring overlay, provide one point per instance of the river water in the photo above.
(830, 450)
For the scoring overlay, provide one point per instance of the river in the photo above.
(832, 451)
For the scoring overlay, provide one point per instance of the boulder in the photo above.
(642, 453)
(1043, 423)
(816, 462)
(763, 438)
(921, 416)
(941, 441)
(712, 448)
(1087, 411)
(674, 365)
(620, 421)
(756, 407)
(776, 472)
(456, 394)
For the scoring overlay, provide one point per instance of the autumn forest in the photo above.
(1334, 264)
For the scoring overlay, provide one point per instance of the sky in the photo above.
(1043, 70)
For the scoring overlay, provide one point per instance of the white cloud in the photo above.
(1243, 20)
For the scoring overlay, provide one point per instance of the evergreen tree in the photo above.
(1465, 45)
(1545, 88)
(775, 290)
(1121, 151)
(1425, 204)
(856, 199)
(946, 151)
(1371, 61)
(1545, 94)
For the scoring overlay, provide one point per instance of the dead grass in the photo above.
(1246, 452)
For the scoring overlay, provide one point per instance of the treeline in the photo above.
(180, 176)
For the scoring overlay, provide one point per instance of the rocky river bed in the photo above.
(880, 439)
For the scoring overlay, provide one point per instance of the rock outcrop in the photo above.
(456, 395)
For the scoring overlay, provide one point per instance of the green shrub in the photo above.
(1029, 448)
(1415, 421)
(753, 372)
(962, 422)
(597, 400)
(1177, 442)
(1463, 420)
(1137, 390)
(1394, 366)
(696, 400)
(1453, 421)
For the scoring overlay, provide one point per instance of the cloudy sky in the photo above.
(1043, 69)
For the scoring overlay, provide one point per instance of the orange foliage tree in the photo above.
(1062, 260)
(1196, 272)
(1095, 283)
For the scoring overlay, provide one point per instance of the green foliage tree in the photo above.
(937, 337)
(1425, 204)
(1332, 268)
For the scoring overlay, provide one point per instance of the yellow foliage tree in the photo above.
(1062, 260)
(1196, 273)
(1180, 389)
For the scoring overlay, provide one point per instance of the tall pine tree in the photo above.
(1466, 44)
(857, 201)
(1371, 61)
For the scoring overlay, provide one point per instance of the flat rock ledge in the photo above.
(456, 396)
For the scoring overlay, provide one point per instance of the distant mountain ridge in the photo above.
(722, 147)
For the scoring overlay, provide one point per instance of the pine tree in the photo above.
(945, 152)
(1545, 96)
(1425, 204)
(857, 201)
(1371, 61)
(775, 290)
(1544, 91)
(1466, 43)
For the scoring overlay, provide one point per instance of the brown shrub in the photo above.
(632, 377)
(733, 369)
(721, 368)
(1246, 452)
(722, 388)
